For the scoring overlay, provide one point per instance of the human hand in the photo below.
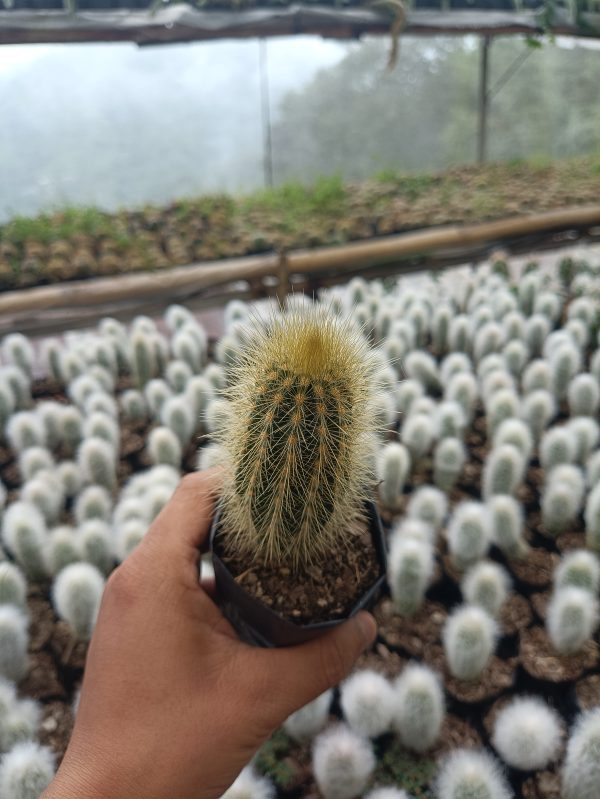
(173, 704)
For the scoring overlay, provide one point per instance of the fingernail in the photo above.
(368, 627)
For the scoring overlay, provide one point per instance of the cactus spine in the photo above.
(300, 412)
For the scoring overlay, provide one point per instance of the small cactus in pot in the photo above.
(300, 460)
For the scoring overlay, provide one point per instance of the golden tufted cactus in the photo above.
(300, 440)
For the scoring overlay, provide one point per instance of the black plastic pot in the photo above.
(259, 624)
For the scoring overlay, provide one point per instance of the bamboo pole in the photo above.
(325, 260)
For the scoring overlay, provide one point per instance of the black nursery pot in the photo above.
(258, 624)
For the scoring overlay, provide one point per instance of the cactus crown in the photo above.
(297, 437)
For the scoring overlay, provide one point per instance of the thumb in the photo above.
(301, 673)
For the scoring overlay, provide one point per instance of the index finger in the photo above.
(183, 525)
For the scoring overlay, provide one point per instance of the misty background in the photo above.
(113, 125)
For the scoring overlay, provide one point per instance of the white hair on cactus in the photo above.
(70, 478)
(562, 497)
(572, 619)
(450, 420)
(96, 541)
(537, 376)
(50, 413)
(413, 528)
(387, 792)
(127, 536)
(578, 568)
(24, 535)
(558, 445)
(407, 391)
(97, 461)
(156, 393)
(76, 595)
(17, 350)
(164, 447)
(392, 469)
(20, 724)
(527, 733)
(250, 785)
(200, 392)
(469, 638)
(410, 568)
(14, 640)
(469, 533)
(537, 410)
(26, 771)
(13, 586)
(592, 518)
(25, 429)
(343, 763)
(101, 425)
(453, 364)
(305, 723)
(581, 769)
(33, 460)
(63, 547)
(486, 584)
(586, 434)
(584, 395)
(419, 707)
(471, 774)
(517, 433)
(503, 471)
(428, 504)
(366, 699)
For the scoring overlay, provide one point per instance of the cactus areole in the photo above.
(295, 528)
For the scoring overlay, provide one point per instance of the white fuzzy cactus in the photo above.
(548, 304)
(13, 586)
(572, 619)
(96, 542)
(97, 460)
(449, 459)
(562, 498)
(450, 420)
(558, 445)
(177, 415)
(24, 535)
(19, 385)
(156, 393)
(26, 771)
(70, 478)
(469, 638)
(486, 584)
(592, 469)
(20, 723)
(514, 325)
(592, 518)
(495, 381)
(415, 529)
(387, 792)
(94, 502)
(100, 403)
(210, 456)
(565, 362)
(537, 376)
(51, 356)
(164, 447)
(384, 412)
(7, 406)
(71, 426)
(410, 568)
(440, 327)
(83, 387)
(407, 391)
(492, 364)
(392, 469)
(581, 770)
(367, 700)
(72, 365)
(34, 460)
(469, 533)
(63, 548)
(76, 594)
(215, 374)
(428, 504)
(17, 350)
(45, 492)
(453, 364)
(490, 338)
(471, 774)
(218, 415)
(305, 723)
(517, 433)
(133, 405)
(200, 393)
(537, 329)
(584, 395)
(506, 523)
(144, 357)
(420, 365)
(14, 640)
(25, 429)
(501, 405)
(249, 785)
(177, 374)
(459, 334)
(342, 763)
(50, 413)
(418, 707)
(101, 425)
(586, 434)
(537, 411)
(418, 434)
(578, 568)
(503, 471)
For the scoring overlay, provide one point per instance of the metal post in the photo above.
(482, 134)
(266, 113)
